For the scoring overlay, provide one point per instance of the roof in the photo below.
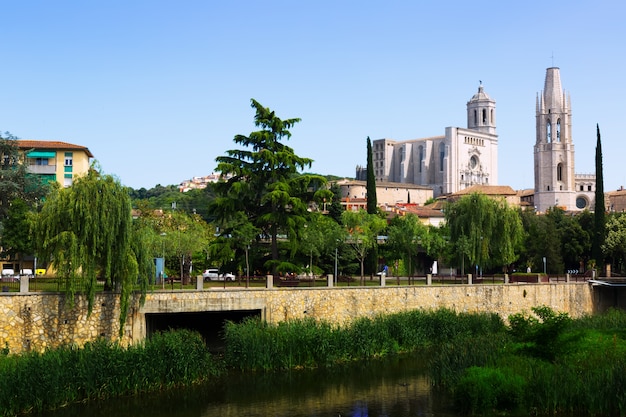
(384, 184)
(499, 190)
(51, 144)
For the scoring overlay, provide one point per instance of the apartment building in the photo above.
(55, 161)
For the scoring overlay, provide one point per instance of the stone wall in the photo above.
(38, 321)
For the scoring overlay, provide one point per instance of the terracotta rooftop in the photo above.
(502, 190)
(51, 144)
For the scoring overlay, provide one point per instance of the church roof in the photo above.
(498, 190)
(480, 95)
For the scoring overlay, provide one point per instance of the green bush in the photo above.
(483, 390)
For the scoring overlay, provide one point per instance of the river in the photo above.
(394, 387)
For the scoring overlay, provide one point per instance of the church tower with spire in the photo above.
(556, 183)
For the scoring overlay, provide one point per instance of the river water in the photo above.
(394, 387)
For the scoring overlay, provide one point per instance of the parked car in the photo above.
(213, 274)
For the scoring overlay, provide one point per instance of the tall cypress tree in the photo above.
(599, 209)
(371, 181)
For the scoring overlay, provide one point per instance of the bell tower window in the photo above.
(548, 131)
(484, 116)
(558, 130)
(559, 172)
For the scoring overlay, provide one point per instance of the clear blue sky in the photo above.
(158, 89)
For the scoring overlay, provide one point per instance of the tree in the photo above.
(372, 203)
(599, 209)
(86, 232)
(362, 230)
(615, 243)
(320, 237)
(486, 230)
(262, 180)
(16, 237)
(15, 181)
(407, 235)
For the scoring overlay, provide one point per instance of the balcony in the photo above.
(42, 169)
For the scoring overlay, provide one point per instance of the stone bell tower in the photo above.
(554, 149)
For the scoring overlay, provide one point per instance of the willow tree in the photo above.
(263, 181)
(86, 232)
(486, 230)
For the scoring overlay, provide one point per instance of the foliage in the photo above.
(49, 380)
(539, 336)
(406, 236)
(485, 230)
(362, 230)
(614, 245)
(372, 202)
(599, 209)
(86, 232)
(258, 345)
(194, 201)
(321, 236)
(262, 181)
(482, 389)
(16, 239)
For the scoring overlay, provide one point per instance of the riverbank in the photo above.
(474, 356)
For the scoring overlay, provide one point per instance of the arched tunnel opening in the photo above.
(209, 324)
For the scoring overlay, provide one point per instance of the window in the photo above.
(548, 131)
(421, 157)
(484, 116)
(473, 162)
(68, 159)
(41, 161)
(581, 203)
(475, 117)
(558, 130)
(559, 172)
(589, 188)
(442, 153)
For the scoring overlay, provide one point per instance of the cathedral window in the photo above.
(558, 130)
(421, 157)
(548, 131)
(484, 116)
(589, 188)
(559, 172)
(475, 118)
(491, 117)
(442, 153)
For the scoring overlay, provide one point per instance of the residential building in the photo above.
(460, 158)
(55, 161)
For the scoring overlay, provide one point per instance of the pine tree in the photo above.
(599, 210)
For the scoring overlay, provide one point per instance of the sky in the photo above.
(158, 89)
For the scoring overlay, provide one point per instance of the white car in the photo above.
(212, 274)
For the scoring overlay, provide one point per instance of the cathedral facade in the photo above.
(459, 159)
(556, 183)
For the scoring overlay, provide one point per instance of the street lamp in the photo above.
(336, 248)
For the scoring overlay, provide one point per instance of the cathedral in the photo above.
(556, 183)
(459, 159)
(466, 157)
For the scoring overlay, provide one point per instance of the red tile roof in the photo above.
(51, 144)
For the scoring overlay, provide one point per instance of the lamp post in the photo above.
(336, 248)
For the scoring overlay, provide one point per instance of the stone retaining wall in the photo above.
(38, 321)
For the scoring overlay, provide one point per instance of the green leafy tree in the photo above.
(17, 240)
(406, 235)
(15, 181)
(86, 232)
(599, 209)
(488, 228)
(362, 230)
(237, 235)
(615, 243)
(320, 238)
(262, 180)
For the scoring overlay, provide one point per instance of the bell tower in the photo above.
(554, 149)
(481, 112)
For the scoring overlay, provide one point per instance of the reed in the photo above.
(43, 381)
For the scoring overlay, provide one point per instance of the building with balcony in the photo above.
(55, 161)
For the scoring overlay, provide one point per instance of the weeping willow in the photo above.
(86, 232)
(486, 230)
